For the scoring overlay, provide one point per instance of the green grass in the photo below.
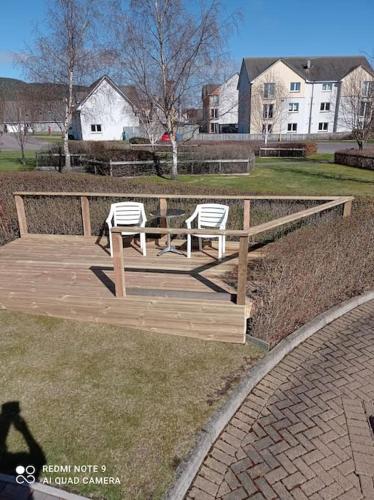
(126, 400)
(289, 177)
(11, 161)
(53, 138)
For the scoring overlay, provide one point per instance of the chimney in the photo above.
(308, 64)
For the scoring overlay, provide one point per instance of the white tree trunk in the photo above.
(174, 168)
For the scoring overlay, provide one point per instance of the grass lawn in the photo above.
(129, 401)
(53, 138)
(290, 177)
(11, 161)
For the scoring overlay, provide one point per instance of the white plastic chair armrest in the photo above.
(190, 219)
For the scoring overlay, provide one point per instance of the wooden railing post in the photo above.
(85, 205)
(242, 270)
(347, 209)
(247, 214)
(118, 265)
(21, 214)
(163, 221)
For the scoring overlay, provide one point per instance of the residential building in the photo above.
(106, 113)
(220, 106)
(298, 95)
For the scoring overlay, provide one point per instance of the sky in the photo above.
(266, 28)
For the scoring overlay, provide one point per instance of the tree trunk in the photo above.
(67, 166)
(22, 145)
(360, 144)
(68, 116)
(174, 168)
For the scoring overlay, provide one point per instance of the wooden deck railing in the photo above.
(243, 234)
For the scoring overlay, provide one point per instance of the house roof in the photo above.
(328, 68)
(210, 89)
(128, 92)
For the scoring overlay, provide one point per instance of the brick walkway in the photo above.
(303, 432)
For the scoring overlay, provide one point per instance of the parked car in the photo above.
(165, 137)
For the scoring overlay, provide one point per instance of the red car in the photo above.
(165, 137)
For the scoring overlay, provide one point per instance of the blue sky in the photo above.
(268, 28)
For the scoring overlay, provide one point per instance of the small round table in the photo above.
(170, 214)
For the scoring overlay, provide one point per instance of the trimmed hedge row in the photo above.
(356, 158)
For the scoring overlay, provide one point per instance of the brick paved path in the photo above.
(303, 432)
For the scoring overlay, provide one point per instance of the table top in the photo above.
(171, 212)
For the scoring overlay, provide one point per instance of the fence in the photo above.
(56, 161)
(271, 137)
(163, 167)
(243, 234)
(282, 152)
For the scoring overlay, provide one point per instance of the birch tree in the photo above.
(268, 106)
(64, 54)
(357, 105)
(163, 47)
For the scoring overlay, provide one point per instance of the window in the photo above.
(295, 87)
(214, 100)
(323, 126)
(365, 108)
(214, 113)
(293, 107)
(267, 127)
(368, 89)
(292, 127)
(325, 106)
(269, 90)
(327, 87)
(268, 111)
(214, 128)
(96, 127)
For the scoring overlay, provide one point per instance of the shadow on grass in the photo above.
(10, 416)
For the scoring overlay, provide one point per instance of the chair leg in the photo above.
(188, 246)
(220, 247)
(110, 243)
(143, 244)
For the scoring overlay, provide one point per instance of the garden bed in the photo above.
(356, 158)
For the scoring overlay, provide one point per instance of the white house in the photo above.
(220, 106)
(297, 95)
(105, 114)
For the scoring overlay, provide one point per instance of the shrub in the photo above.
(356, 158)
(139, 140)
(311, 270)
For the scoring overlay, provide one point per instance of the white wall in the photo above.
(228, 101)
(109, 109)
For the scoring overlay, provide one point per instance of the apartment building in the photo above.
(299, 95)
(220, 106)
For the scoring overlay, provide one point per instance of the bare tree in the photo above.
(64, 54)
(164, 46)
(20, 126)
(357, 105)
(268, 103)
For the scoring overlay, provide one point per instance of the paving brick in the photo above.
(302, 433)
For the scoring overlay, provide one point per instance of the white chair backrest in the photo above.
(127, 213)
(212, 215)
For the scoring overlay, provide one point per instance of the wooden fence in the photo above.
(328, 202)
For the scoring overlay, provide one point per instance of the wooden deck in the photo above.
(72, 277)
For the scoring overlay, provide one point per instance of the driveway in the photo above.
(9, 143)
(303, 432)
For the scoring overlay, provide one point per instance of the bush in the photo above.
(356, 158)
(227, 148)
(139, 140)
(311, 270)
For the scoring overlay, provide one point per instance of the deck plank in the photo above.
(72, 277)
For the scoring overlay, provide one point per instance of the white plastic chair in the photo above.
(212, 216)
(127, 213)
